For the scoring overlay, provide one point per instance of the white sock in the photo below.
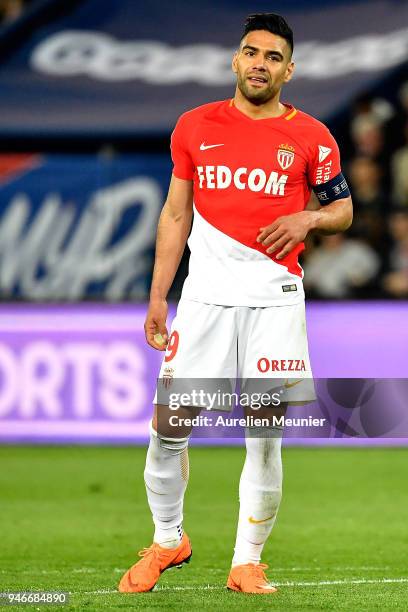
(166, 477)
(260, 492)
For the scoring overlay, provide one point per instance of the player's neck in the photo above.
(271, 109)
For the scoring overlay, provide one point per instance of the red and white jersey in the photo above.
(246, 174)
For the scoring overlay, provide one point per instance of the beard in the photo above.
(254, 95)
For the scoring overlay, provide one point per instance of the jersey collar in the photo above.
(286, 116)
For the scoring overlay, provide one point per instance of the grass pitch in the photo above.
(72, 519)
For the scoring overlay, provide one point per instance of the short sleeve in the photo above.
(324, 163)
(183, 166)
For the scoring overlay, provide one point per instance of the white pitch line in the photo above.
(353, 581)
(47, 572)
(339, 568)
(210, 587)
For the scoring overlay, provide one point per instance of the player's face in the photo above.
(262, 64)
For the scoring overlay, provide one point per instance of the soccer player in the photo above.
(245, 169)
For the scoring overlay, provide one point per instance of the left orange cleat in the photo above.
(250, 578)
(144, 574)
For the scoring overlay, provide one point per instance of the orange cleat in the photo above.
(250, 578)
(144, 574)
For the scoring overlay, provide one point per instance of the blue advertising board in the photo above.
(108, 68)
(83, 226)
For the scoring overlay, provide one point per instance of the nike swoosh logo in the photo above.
(204, 147)
(255, 522)
(288, 385)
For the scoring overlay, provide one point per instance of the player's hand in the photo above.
(155, 325)
(285, 233)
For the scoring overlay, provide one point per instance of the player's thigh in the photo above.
(202, 341)
(273, 353)
(273, 341)
(201, 356)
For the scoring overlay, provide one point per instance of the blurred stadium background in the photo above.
(90, 92)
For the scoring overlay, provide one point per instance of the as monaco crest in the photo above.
(286, 156)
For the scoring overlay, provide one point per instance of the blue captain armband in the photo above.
(333, 190)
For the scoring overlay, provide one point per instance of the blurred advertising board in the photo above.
(114, 68)
(75, 373)
(79, 226)
(84, 373)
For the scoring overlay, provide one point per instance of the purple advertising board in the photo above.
(84, 374)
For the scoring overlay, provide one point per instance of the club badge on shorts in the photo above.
(286, 156)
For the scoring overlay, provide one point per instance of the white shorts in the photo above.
(254, 344)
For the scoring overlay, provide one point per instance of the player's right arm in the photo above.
(172, 233)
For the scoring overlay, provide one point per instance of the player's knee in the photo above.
(175, 445)
(175, 424)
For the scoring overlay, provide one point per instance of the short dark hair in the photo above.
(271, 22)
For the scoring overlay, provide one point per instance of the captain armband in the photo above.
(333, 190)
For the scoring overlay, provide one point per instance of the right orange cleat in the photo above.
(250, 578)
(144, 574)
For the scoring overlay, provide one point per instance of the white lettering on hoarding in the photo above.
(82, 358)
(101, 57)
(70, 259)
(45, 379)
(9, 379)
(41, 378)
(123, 388)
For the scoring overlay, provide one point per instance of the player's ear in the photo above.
(289, 71)
(234, 62)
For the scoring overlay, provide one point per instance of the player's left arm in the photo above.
(333, 214)
(288, 231)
